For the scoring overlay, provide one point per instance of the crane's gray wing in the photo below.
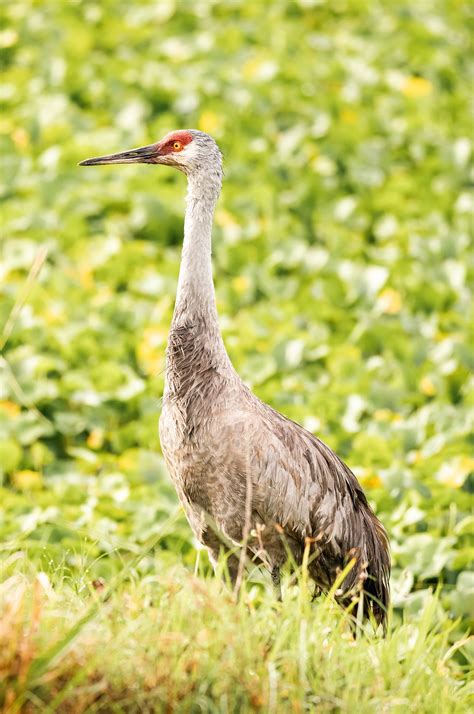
(308, 489)
(311, 493)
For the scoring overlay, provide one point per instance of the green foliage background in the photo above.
(341, 259)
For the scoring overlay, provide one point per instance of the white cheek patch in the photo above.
(189, 151)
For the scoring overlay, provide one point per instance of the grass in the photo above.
(177, 641)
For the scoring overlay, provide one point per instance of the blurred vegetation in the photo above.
(341, 253)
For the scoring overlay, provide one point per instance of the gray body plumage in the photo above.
(241, 469)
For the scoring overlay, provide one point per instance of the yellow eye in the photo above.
(177, 146)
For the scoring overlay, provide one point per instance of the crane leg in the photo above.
(275, 573)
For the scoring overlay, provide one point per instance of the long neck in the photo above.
(195, 297)
(195, 346)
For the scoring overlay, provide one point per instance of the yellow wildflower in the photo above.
(454, 472)
(390, 301)
(95, 439)
(10, 408)
(415, 87)
(209, 122)
(27, 480)
(427, 386)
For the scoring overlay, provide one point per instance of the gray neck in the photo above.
(195, 296)
(196, 355)
(195, 346)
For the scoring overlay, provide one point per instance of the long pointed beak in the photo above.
(144, 155)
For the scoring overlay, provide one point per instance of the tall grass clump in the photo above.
(174, 641)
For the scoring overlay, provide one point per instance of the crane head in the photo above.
(187, 150)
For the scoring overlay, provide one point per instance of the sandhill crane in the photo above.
(246, 475)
